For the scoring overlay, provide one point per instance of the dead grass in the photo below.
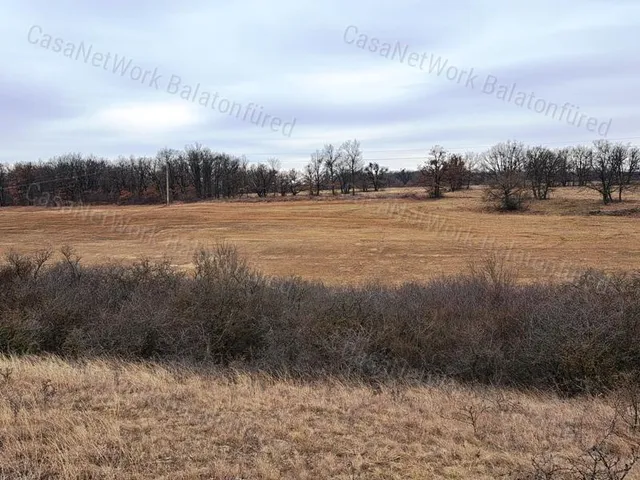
(104, 419)
(378, 237)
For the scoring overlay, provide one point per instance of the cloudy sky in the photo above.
(319, 68)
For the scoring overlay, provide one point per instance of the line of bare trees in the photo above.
(446, 171)
(342, 169)
(514, 174)
(195, 173)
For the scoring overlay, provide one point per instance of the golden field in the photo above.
(117, 420)
(344, 240)
(113, 419)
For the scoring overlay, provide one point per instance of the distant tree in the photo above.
(472, 162)
(542, 166)
(404, 176)
(504, 166)
(627, 169)
(376, 174)
(607, 161)
(352, 155)
(194, 154)
(331, 156)
(314, 171)
(163, 159)
(3, 183)
(343, 174)
(180, 172)
(23, 184)
(581, 158)
(456, 172)
(274, 168)
(563, 173)
(433, 171)
(261, 179)
(294, 181)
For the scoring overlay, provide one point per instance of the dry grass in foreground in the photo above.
(103, 419)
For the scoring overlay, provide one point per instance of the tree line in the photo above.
(513, 173)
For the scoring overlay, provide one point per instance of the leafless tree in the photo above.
(352, 154)
(581, 158)
(261, 179)
(315, 172)
(504, 165)
(563, 166)
(433, 172)
(607, 161)
(331, 156)
(376, 174)
(165, 157)
(194, 154)
(344, 175)
(274, 168)
(542, 166)
(404, 176)
(3, 183)
(456, 172)
(473, 162)
(627, 169)
(294, 182)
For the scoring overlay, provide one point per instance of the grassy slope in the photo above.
(345, 241)
(114, 420)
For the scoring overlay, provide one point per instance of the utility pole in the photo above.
(168, 201)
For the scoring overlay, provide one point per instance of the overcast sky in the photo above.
(322, 64)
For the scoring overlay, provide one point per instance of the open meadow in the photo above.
(202, 368)
(384, 237)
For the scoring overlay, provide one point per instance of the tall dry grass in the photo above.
(102, 419)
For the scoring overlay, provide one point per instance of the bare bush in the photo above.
(577, 337)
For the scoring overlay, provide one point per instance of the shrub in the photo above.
(483, 327)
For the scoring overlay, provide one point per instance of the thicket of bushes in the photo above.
(575, 337)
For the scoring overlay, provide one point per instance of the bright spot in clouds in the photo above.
(147, 118)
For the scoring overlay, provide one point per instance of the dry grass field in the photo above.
(115, 420)
(374, 237)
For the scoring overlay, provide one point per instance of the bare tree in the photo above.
(274, 168)
(314, 172)
(504, 165)
(456, 172)
(352, 154)
(404, 176)
(376, 174)
(331, 157)
(581, 158)
(607, 161)
(294, 182)
(433, 172)
(627, 169)
(563, 166)
(344, 175)
(261, 179)
(194, 155)
(3, 183)
(165, 157)
(542, 166)
(473, 162)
